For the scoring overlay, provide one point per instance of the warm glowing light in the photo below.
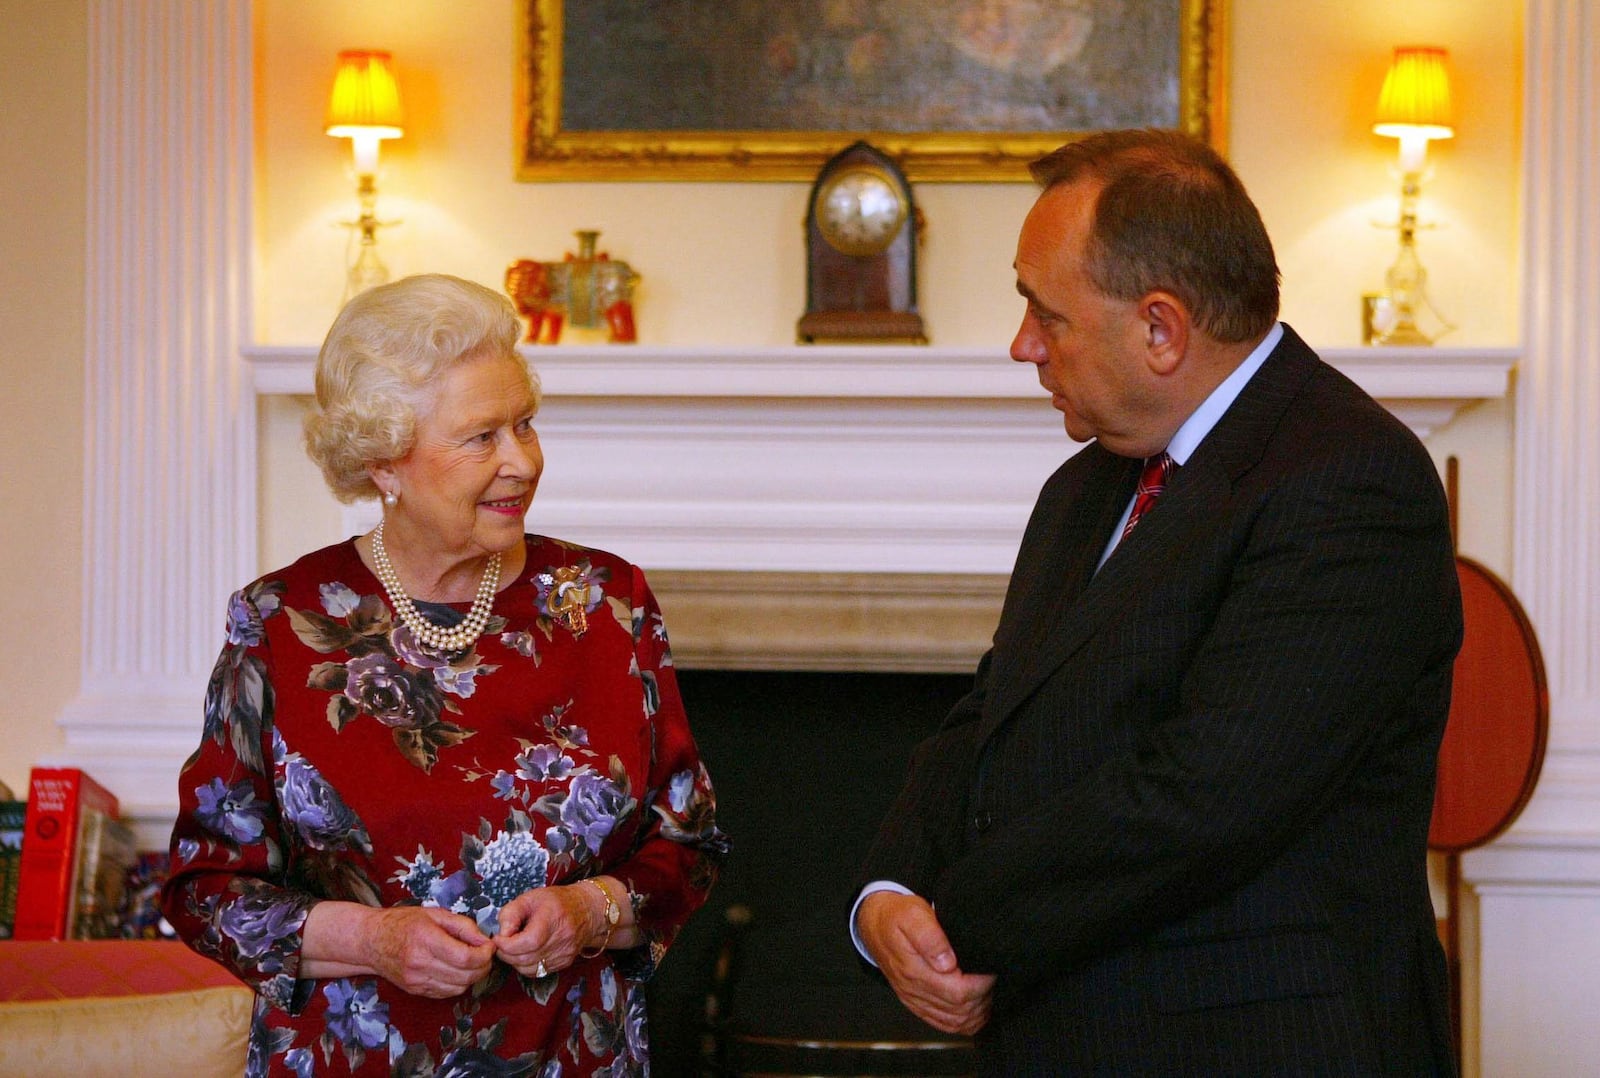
(365, 105)
(365, 108)
(1414, 105)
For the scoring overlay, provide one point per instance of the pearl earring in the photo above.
(391, 499)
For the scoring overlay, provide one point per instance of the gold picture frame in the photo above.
(546, 151)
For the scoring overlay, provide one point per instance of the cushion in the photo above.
(195, 1033)
(39, 969)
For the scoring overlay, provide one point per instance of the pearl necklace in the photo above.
(461, 637)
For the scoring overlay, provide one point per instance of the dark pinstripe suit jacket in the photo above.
(1183, 813)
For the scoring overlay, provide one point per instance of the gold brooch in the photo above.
(569, 599)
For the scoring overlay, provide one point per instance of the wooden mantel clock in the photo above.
(861, 252)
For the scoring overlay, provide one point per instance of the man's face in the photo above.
(1088, 347)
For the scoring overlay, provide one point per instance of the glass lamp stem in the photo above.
(1406, 278)
(368, 269)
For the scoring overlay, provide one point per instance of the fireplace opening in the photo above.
(805, 764)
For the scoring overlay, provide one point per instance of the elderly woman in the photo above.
(446, 813)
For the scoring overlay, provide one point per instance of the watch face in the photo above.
(860, 211)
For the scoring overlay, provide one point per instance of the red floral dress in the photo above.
(342, 758)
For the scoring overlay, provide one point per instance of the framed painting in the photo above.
(955, 90)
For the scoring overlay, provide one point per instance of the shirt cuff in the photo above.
(872, 888)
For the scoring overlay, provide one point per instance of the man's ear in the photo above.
(1167, 326)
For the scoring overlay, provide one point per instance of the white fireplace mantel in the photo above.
(1424, 386)
(832, 459)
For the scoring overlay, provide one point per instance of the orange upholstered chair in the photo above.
(119, 1007)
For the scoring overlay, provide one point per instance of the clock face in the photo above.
(860, 211)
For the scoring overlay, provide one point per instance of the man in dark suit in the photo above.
(1179, 826)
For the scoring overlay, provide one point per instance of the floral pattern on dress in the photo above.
(567, 755)
(356, 1022)
(239, 699)
(391, 675)
(356, 1019)
(496, 867)
(582, 804)
(257, 934)
(323, 830)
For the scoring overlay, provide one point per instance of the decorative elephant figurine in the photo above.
(581, 290)
(537, 298)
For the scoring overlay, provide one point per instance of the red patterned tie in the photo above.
(1152, 481)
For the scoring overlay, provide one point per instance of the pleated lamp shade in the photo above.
(1415, 99)
(365, 100)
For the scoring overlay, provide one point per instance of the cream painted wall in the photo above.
(1305, 79)
(43, 73)
(722, 263)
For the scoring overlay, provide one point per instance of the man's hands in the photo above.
(905, 939)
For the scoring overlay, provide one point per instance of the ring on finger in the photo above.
(540, 970)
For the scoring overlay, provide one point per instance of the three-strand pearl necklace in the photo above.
(461, 637)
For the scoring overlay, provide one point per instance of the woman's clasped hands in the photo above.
(425, 951)
(432, 952)
(544, 930)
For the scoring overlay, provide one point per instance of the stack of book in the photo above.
(74, 861)
(12, 813)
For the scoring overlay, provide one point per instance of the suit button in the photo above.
(982, 821)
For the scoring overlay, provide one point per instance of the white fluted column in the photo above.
(169, 419)
(1538, 889)
(1557, 532)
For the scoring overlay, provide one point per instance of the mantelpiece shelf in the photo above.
(1444, 378)
(829, 459)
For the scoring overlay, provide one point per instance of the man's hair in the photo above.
(1172, 216)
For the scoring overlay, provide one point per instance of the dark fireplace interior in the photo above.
(805, 764)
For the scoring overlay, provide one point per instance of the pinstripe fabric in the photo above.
(1183, 814)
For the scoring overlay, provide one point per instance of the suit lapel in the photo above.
(1059, 616)
(1061, 550)
(1242, 434)
(1055, 571)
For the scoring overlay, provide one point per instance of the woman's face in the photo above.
(467, 482)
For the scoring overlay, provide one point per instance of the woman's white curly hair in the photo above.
(378, 366)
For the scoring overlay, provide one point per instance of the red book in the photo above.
(60, 801)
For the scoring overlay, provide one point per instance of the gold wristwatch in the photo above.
(613, 915)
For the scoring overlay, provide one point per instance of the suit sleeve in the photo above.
(912, 844)
(1318, 671)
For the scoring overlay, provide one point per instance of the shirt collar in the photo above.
(1200, 422)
